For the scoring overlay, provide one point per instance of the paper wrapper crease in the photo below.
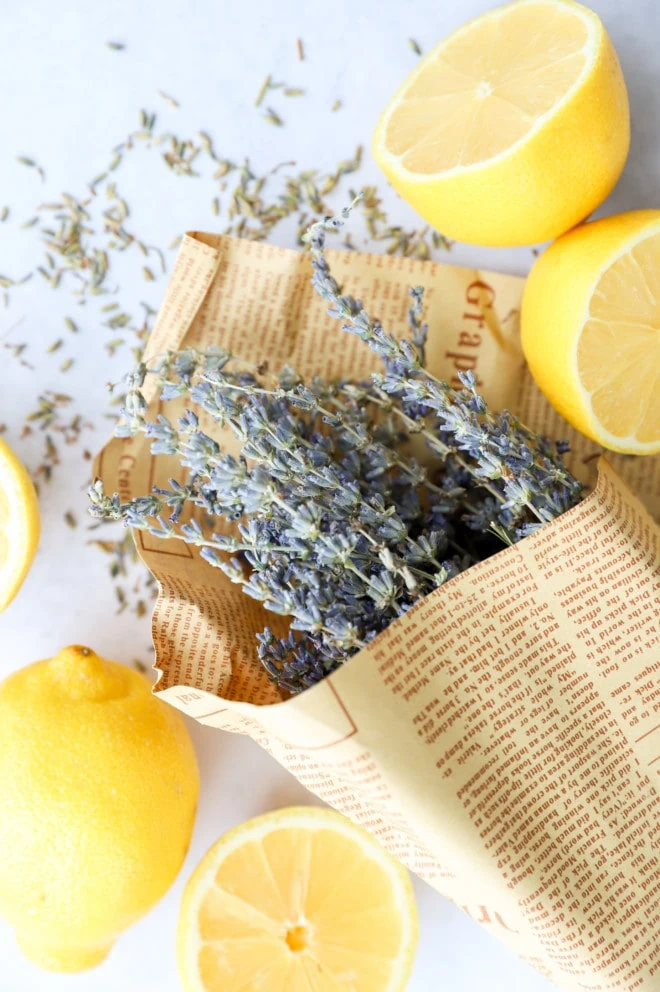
(503, 738)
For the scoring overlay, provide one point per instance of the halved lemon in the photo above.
(511, 130)
(591, 329)
(299, 900)
(19, 524)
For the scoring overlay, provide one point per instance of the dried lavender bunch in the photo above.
(336, 525)
(339, 529)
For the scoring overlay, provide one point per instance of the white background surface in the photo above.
(66, 100)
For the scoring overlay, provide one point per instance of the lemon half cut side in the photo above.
(511, 130)
(590, 325)
(299, 900)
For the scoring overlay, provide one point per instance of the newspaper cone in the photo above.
(503, 738)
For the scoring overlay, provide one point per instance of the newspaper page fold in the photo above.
(503, 738)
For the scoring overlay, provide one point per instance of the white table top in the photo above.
(66, 100)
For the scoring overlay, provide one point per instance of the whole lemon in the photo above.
(98, 792)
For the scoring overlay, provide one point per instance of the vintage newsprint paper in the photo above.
(503, 738)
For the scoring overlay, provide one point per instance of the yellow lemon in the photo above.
(19, 524)
(511, 130)
(98, 791)
(299, 900)
(591, 329)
